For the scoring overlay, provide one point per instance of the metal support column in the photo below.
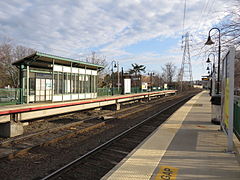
(27, 81)
(21, 84)
(63, 83)
(71, 83)
(85, 83)
(122, 83)
(118, 76)
(53, 79)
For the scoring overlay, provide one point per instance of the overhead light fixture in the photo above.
(208, 60)
(209, 41)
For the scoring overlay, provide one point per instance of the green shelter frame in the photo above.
(49, 78)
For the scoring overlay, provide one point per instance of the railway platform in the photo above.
(12, 116)
(186, 147)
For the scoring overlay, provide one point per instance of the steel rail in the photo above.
(54, 129)
(57, 172)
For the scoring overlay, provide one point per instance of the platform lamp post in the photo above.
(151, 79)
(212, 73)
(114, 65)
(209, 82)
(118, 77)
(208, 69)
(210, 42)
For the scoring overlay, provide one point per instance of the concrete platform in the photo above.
(5, 111)
(186, 147)
(11, 116)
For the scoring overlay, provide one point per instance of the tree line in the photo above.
(8, 54)
(9, 73)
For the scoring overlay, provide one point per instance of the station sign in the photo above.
(205, 79)
(44, 75)
(227, 95)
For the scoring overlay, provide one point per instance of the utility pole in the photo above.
(122, 80)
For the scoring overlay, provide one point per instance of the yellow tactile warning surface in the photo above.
(167, 172)
(141, 163)
(186, 147)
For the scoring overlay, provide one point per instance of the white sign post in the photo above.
(127, 86)
(228, 96)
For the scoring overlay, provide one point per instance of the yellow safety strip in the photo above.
(167, 173)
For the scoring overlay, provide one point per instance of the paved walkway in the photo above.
(186, 147)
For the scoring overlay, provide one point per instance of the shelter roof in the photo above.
(39, 59)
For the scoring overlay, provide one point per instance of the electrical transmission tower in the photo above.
(186, 67)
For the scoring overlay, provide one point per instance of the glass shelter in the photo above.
(44, 77)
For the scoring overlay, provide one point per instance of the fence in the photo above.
(116, 91)
(236, 116)
(9, 96)
(108, 91)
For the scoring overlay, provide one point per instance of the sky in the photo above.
(147, 32)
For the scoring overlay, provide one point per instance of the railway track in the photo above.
(19, 146)
(97, 162)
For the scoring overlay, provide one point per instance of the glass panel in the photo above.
(80, 85)
(25, 86)
(61, 88)
(69, 83)
(32, 84)
(38, 86)
(48, 87)
(56, 83)
(87, 84)
(95, 84)
(42, 87)
(92, 84)
(73, 83)
(81, 78)
(48, 84)
(65, 83)
(77, 83)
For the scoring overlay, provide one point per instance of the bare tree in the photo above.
(21, 52)
(237, 72)
(104, 72)
(9, 72)
(95, 59)
(8, 54)
(230, 29)
(179, 75)
(169, 71)
(157, 80)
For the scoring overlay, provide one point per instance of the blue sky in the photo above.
(146, 32)
(152, 45)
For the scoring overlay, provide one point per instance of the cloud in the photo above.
(70, 28)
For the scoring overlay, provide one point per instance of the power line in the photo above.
(184, 14)
(201, 16)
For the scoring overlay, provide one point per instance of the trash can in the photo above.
(216, 109)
